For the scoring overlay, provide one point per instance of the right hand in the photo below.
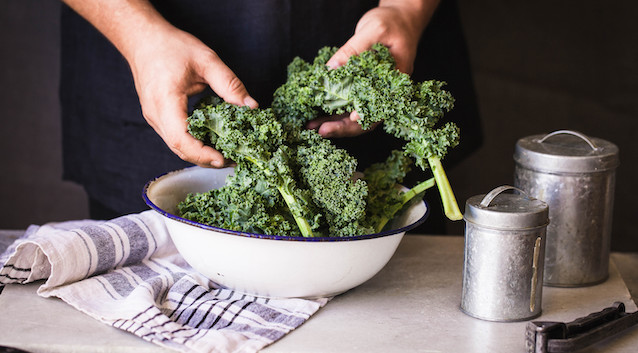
(169, 66)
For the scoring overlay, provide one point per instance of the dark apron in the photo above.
(109, 148)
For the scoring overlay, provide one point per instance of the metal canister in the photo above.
(575, 175)
(504, 254)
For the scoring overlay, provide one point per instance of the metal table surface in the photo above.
(412, 305)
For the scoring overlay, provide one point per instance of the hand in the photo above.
(344, 125)
(396, 24)
(168, 65)
(169, 69)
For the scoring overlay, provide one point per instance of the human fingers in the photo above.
(389, 26)
(362, 41)
(224, 82)
(342, 127)
(171, 125)
(314, 124)
(354, 46)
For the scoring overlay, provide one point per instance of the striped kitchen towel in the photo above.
(127, 273)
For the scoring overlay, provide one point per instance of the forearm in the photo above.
(123, 22)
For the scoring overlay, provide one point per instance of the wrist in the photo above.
(127, 24)
(416, 13)
(142, 29)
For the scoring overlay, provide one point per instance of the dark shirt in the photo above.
(110, 149)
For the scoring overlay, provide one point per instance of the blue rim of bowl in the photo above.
(277, 237)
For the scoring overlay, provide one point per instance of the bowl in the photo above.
(271, 265)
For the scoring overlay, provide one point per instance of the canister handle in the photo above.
(570, 132)
(497, 191)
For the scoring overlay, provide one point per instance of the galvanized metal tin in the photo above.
(504, 255)
(575, 175)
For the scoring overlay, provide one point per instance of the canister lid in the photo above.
(499, 210)
(566, 151)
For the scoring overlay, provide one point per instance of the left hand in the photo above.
(397, 25)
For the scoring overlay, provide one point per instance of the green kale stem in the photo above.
(292, 202)
(450, 206)
(294, 207)
(290, 199)
(406, 197)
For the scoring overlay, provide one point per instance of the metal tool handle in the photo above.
(558, 337)
(497, 191)
(596, 319)
(570, 132)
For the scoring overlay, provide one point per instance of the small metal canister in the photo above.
(575, 175)
(504, 252)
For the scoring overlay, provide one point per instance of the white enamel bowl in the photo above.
(269, 265)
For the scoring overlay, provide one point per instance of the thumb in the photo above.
(354, 46)
(227, 85)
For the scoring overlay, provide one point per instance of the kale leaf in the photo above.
(287, 175)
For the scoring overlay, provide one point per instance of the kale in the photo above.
(282, 177)
(370, 85)
(287, 175)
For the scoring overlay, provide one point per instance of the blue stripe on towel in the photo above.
(104, 246)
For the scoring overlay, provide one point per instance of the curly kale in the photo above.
(256, 142)
(370, 85)
(291, 181)
(281, 175)
(329, 173)
(245, 203)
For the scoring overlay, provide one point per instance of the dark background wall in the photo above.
(31, 187)
(538, 67)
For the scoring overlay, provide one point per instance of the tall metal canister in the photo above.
(504, 253)
(575, 175)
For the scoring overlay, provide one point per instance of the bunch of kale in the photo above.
(290, 181)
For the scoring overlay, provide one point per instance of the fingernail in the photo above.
(332, 64)
(325, 131)
(217, 163)
(249, 101)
